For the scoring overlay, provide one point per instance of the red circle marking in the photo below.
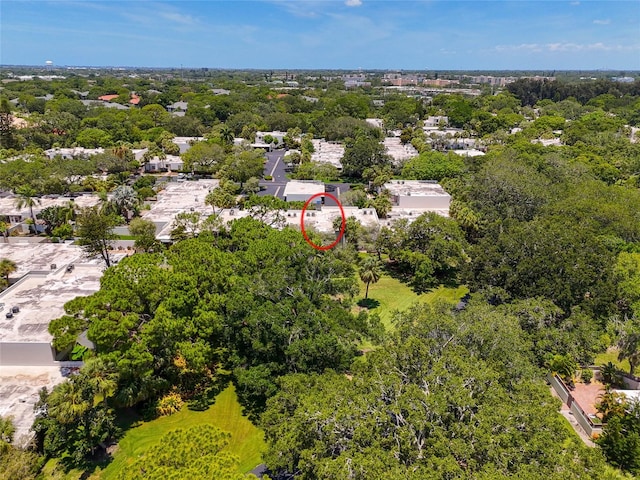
(343, 224)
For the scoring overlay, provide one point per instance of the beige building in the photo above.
(418, 194)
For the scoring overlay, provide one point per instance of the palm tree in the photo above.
(370, 273)
(629, 346)
(4, 229)
(69, 211)
(610, 374)
(125, 200)
(67, 403)
(7, 267)
(226, 135)
(27, 198)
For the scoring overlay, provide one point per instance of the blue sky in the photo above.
(346, 34)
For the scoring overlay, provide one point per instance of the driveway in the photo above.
(274, 166)
(335, 189)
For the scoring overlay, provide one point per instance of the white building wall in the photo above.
(435, 202)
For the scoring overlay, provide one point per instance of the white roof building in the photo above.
(74, 152)
(17, 215)
(184, 143)
(302, 191)
(469, 153)
(399, 152)
(170, 163)
(327, 152)
(418, 195)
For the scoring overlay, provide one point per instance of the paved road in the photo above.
(275, 167)
(336, 189)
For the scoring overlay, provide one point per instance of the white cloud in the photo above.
(178, 18)
(532, 47)
(353, 3)
(602, 22)
(564, 47)
(574, 4)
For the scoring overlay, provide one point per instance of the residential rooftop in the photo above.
(8, 204)
(302, 188)
(177, 197)
(415, 188)
(44, 288)
(327, 152)
(19, 393)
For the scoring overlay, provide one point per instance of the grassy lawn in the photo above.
(394, 295)
(246, 443)
(611, 355)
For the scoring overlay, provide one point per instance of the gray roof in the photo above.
(178, 106)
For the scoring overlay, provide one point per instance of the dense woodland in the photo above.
(546, 237)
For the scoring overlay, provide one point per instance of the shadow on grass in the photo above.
(203, 400)
(396, 271)
(369, 303)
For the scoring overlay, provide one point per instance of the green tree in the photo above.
(145, 233)
(245, 164)
(7, 267)
(125, 200)
(4, 229)
(620, 438)
(7, 129)
(427, 404)
(545, 258)
(370, 272)
(204, 156)
(95, 232)
(363, 152)
(222, 197)
(627, 276)
(628, 341)
(75, 420)
(197, 452)
(56, 216)
(433, 166)
(27, 197)
(15, 463)
(94, 138)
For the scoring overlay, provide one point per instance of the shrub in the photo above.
(586, 375)
(611, 375)
(169, 404)
(63, 231)
(268, 177)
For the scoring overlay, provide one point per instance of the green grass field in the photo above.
(611, 355)
(247, 441)
(394, 295)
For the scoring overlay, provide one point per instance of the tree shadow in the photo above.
(368, 303)
(203, 400)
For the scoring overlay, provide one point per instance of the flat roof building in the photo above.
(419, 195)
(44, 285)
(322, 219)
(301, 191)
